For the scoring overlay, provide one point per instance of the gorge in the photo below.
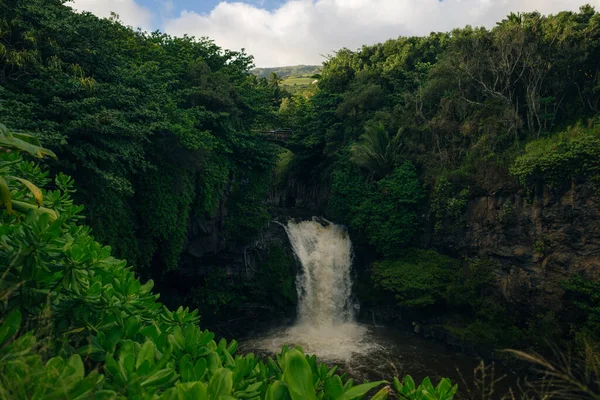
(448, 184)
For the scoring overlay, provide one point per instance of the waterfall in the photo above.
(324, 284)
(326, 325)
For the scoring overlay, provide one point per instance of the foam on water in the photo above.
(326, 323)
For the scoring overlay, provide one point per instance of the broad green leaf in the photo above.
(232, 348)
(35, 191)
(5, 198)
(27, 138)
(10, 326)
(382, 394)
(159, 378)
(360, 390)
(278, 391)
(214, 362)
(146, 353)
(409, 383)
(132, 326)
(200, 369)
(192, 391)
(221, 383)
(186, 369)
(17, 143)
(334, 387)
(78, 370)
(298, 376)
(24, 207)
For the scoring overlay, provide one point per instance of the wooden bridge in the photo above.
(280, 136)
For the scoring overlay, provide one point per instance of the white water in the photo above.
(326, 325)
(324, 285)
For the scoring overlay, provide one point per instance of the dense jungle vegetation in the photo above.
(141, 132)
(404, 133)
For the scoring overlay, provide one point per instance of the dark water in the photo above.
(390, 352)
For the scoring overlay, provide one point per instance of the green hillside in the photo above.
(284, 72)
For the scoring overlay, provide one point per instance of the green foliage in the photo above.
(151, 126)
(247, 214)
(416, 278)
(407, 389)
(23, 373)
(377, 151)
(543, 331)
(20, 143)
(467, 103)
(447, 208)
(478, 315)
(386, 211)
(284, 72)
(272, 285)
(506, 213)
(216, 296)
(472, 284)
(583, 297)
(573, 154)
(78, 324)
(496, 330)
(275, 280)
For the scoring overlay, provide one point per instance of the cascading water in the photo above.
(324, 285)
(326, 325)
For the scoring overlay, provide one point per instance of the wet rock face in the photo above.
(540, 239)
(297, 195)
(207, 249)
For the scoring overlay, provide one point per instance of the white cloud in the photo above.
(130, 13)
(299, 31)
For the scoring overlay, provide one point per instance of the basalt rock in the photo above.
(539, 239)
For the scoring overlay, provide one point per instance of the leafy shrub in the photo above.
(582, 296)
(407, 389)
(105, 336)
(386, 211)
(447, 207)
(416, 278)
(472, 284)
(543, 331)
(571, 154)
(506, 215)
(215, 296)
(247, 212)
(151, 126)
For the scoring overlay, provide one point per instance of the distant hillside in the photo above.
(284, 72)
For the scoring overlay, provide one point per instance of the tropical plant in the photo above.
(15, 143)
(416, 278)
(387, 211)
(155, 129)
(377, 151)
(569, 156)
(78, 324)
(425, 391)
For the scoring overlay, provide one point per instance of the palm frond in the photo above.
(377, 151)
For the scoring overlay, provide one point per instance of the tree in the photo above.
(377, 151)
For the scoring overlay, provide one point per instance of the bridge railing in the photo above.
(280, 135)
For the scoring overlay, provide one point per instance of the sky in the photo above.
(292, 32)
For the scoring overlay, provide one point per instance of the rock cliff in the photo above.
(539, 239)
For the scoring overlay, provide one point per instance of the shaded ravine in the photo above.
(326, 325)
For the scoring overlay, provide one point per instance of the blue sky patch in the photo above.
(172, 8)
